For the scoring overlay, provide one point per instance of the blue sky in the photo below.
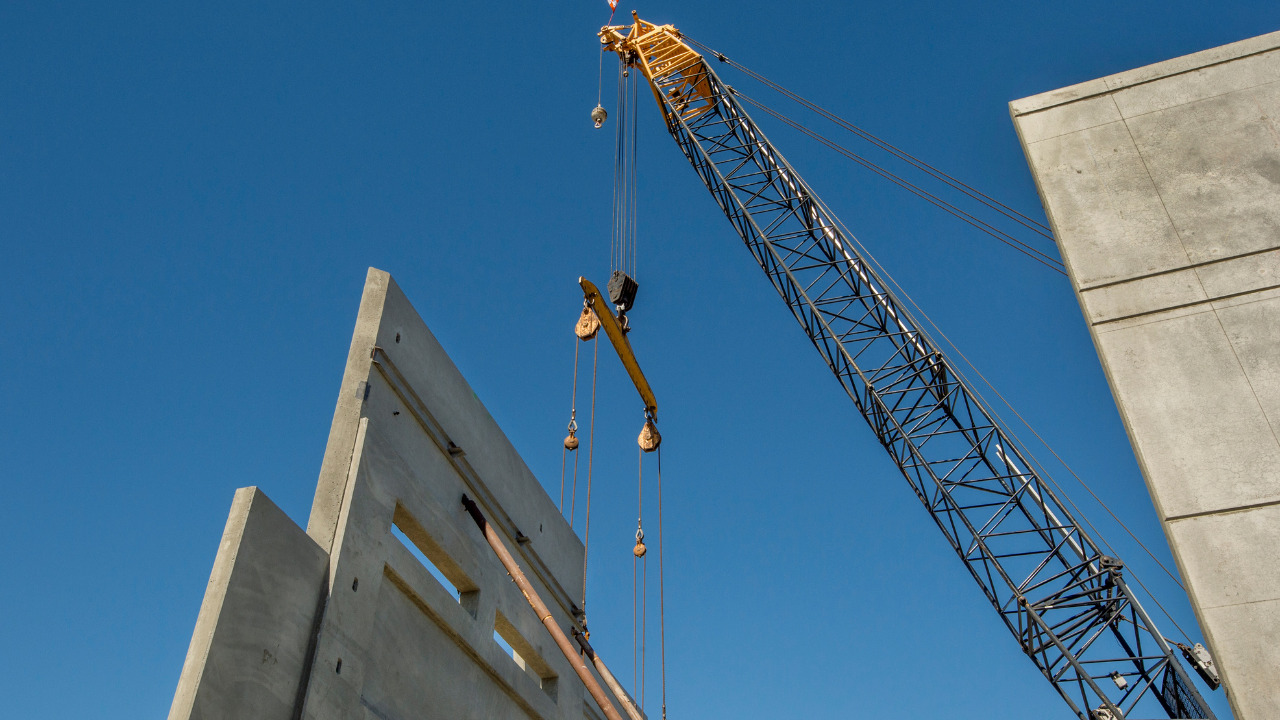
(190, 196)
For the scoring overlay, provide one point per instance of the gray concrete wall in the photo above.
(407, 647)
(395, 639)
(1163, 188)
(249, 652)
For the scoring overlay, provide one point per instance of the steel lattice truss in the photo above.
(1063, 599)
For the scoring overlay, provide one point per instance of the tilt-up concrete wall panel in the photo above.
(413, 596)
(1163, 188)
(249, 652)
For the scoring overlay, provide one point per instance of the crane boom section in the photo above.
(1065, 602)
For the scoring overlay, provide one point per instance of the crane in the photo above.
(1066, 603)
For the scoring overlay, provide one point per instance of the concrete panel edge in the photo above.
(1145, 74)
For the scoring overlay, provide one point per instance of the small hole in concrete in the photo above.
(397, 337)
(355, 584)
(338, 668)
(395, 412)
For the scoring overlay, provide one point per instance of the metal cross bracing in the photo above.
(1065, 601)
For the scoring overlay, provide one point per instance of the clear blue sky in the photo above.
(190, 195)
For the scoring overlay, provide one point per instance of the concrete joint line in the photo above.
(1244, 372)
(1170, 271)
(1223, 511)
(1216, 298)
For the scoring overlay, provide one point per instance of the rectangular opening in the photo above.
(437, 562)
(523, 652)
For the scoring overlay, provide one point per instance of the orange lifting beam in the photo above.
(600, 306)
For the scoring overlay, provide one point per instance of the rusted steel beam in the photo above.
(609, 679)
(540, 608)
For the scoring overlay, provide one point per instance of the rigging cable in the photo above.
(619, 175)
(634, 180)
(591, 444)
(1022, 219)
(1013, 242)
(635, 643)
(990, 202)
(1049, 478)
(641, 553)
(625, 220)
(573, 429)
(662, 598)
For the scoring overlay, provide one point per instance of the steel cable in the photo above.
(573, 413)
(591, 444)
(889, 278)
(662, 596)
(1022, 219)
(991, 230)
(994, 204)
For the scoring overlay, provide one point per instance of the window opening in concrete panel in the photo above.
(524, 654)
(426, 562)
(506, 647)
(434, 559)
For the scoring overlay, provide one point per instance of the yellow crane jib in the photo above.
(649, 437)
(659, 51)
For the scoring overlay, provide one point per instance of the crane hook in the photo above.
(640, 549)
(571, 440)
(598, 115)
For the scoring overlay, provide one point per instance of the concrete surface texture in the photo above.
(249, 651)
(1162, 185)
(414, 602)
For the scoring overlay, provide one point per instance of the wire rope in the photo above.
(644, 571)
(662, 595)
(1021, 218)
(635, 643)
(1065, 496)
(634, 179)
(591, 444)
(882, 271)
(619, 176)
(991, 230)
(573, 426)
(934, 325)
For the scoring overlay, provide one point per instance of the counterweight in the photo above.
(1065, 602)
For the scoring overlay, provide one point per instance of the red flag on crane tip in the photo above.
(613, 4)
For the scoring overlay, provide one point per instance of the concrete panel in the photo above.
(1216, 166)
(1168, 219)
(1254, 331)
(402, 645)
(414, 594)
(1240, 275)
(1248, 661)
(387, 320)
(1234, 554)
(1195, 61)
(1195, 85)
(1096, 190)
(419, 671)
(1140, 297)
(250, 649)
(1070, 119)
(1192, 416)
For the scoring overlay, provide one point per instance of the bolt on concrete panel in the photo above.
(1162, 185)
